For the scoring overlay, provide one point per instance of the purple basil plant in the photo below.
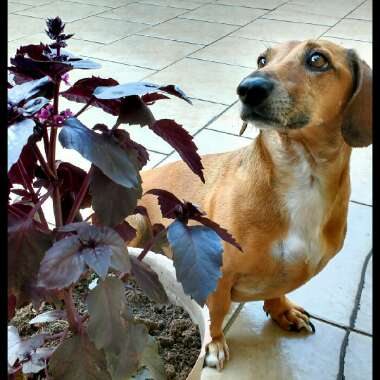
(45, 263)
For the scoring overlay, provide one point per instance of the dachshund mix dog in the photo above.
(285, 196)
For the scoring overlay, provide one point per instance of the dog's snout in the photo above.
(254, 91)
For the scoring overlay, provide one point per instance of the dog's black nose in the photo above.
(253, 91)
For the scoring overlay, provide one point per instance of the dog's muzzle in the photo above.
(253, 91)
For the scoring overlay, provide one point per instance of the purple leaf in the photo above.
(62, 265)
(49, 316)
(181, 141)
(126, 231)
(98, 247)
(222, 232)
(126, 363)
(169, 203)
(148, 281)
(126, 143)
(78, 359)
(29, 160)
(12, 301)
(33, 106)
(102, 151)
(27, 244)
(134, 111)
(105, 305)
(139, 89)
(34, 69)
(197, 258)
(152, 97)
(119, 202)
(176, 91)
(18, 136)
(82, 92)
(25, 91)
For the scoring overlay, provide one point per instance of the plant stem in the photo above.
(46, 141)
(84, 107)
(43, 163)
(40, 203)
(79, 199)
(72, 314)
(28, 186)
(51, 161)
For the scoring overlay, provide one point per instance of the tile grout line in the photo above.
(324, 33)
(354, 314)
(200, 130)
(360, 203)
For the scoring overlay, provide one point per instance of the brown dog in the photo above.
(285, 196)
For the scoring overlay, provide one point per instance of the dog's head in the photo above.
(298, 85)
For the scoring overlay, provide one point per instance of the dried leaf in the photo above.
(49, 316)
(37, 360)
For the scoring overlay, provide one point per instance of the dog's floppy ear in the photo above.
(357, 117)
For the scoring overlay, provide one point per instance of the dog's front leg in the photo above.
(219, 304)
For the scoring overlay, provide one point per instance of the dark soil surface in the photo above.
(177, 336)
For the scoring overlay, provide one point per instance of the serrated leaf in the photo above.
(102, 151)
(18, 135)
(134, 111)
(222, 232)
(27, 244)
(62, 265)
(127, 143)
(49, 316)
(78, 359)
(197, 258)
(26, 90)
(120, 202)
(82, 92)
(181, 141)
(169, 203)
(105, 304)
(148, 281)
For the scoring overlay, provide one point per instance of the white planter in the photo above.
(166, 273)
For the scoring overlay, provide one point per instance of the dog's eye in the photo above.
(317, 61)
(261, 62)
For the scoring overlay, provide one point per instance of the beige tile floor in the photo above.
(206, 47)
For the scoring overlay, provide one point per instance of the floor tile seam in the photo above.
(324, 33)
(203, 47)
(343, 350)
(201, 129)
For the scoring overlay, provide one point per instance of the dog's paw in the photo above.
(289, 316)
(217, 353)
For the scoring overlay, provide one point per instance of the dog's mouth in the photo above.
(263, 119)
